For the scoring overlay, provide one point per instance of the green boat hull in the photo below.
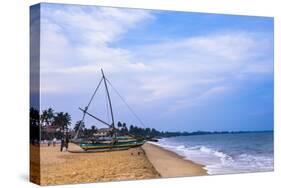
(112, 146)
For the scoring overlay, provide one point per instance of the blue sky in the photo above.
(179, 71)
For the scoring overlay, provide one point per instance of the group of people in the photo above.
(52, 142)
(64, 143)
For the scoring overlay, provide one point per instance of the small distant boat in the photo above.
(112, 143)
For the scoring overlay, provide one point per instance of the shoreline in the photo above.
(170, 164)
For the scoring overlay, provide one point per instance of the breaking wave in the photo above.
(218, 162)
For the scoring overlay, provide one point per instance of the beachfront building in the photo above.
(103, 132)
(51, 129)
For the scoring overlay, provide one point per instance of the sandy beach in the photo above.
(146, 162)
(67, 168)
(169, 164)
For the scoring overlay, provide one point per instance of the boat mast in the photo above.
(109, 100)
(85, 110)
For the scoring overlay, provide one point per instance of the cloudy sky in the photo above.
(179, 71)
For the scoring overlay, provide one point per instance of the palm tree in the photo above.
(124, 125)
(119, 124)
(47, 116)
(34, 117)
(34, 124)
(50, 116)
(63, 120)
(94, 129)
(67, 119)
(78, 124)
(43, 117)
(124, 128)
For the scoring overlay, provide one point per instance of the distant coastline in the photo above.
(185, 133)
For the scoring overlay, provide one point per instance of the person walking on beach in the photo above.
(66, 142)
(62, 145)
(54, 142)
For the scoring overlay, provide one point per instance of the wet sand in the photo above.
(169, 164)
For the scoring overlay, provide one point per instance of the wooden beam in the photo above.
(94, 117)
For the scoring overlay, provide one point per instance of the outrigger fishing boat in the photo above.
(113, 142)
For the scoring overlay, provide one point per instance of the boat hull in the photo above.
(111, 146)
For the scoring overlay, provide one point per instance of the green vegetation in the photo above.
(84, 131)
(34, 125)
(56, 124)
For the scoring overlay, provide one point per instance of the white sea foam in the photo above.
(218, 162)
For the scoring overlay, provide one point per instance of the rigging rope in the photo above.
(128, 106)
(107, 106)
(94, 94)
(86, 108)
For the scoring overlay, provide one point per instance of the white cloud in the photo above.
(191, 66)
(85, 34)
(77, 42)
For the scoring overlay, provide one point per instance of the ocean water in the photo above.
(225, 153)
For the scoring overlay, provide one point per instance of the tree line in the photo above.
(39, 122)
(48, 119)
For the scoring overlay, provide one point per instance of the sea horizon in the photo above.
(200, 132)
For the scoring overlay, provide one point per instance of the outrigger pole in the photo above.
(94, 117)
